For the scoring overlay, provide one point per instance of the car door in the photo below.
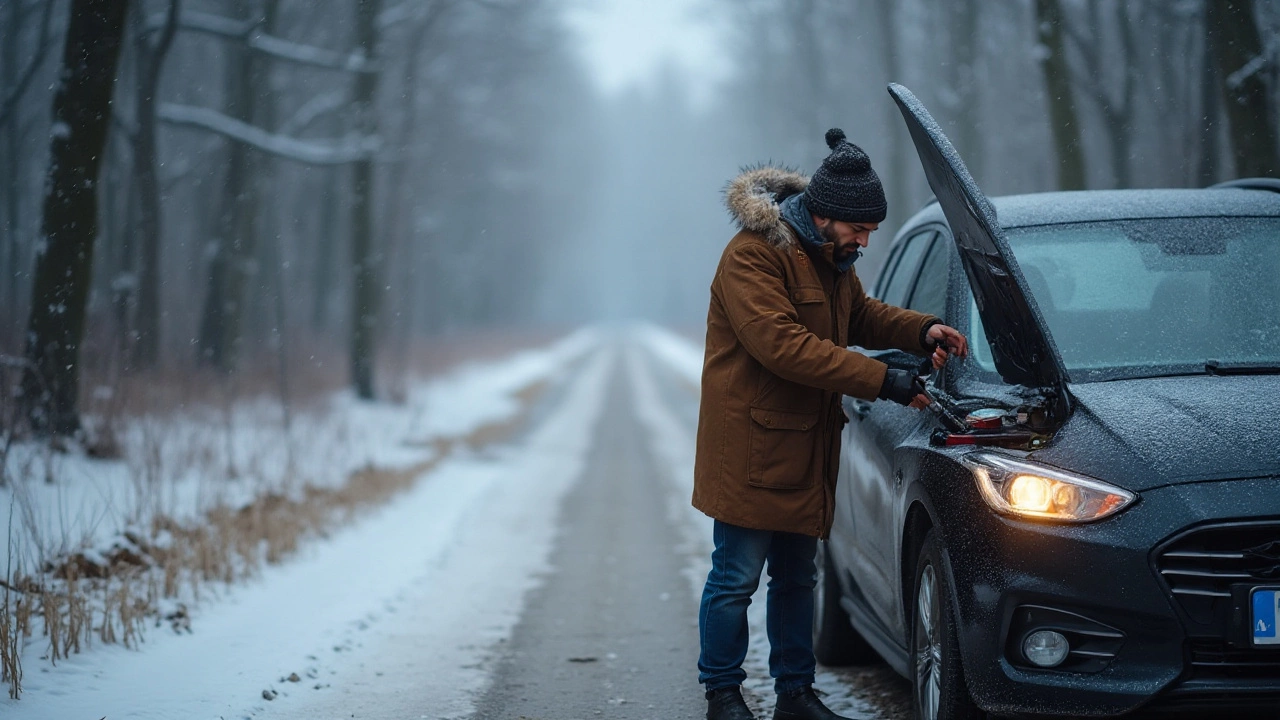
(876, 432)
(867, 453)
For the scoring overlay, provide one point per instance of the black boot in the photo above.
(803, 704)
(727, 704)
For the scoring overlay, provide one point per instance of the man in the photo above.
(785, 304)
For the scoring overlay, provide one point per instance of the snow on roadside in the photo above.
(444, 567)
(679, 353)
(184, 464)
(471, 597)
(673, 440)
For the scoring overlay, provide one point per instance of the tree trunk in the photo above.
(1210, 114)
(324, 258)
(963, 21)
(234, 248)
(120, 216)
(1062, 107)
(258, 299)
(1236, 47)
(146, 344)
(895, 184)
(403, 211)
(811, 108)
(82, 115)
(364, 258)
(13, 163)
(1120, 116)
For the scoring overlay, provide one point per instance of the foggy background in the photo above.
(540, 164)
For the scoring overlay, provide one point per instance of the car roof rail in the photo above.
(1257, 183)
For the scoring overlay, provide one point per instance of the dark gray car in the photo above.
(1102, 533)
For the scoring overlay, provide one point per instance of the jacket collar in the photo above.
(753, 201)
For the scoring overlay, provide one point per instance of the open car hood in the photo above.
(1021, 345)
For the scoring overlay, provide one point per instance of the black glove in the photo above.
(900, 386)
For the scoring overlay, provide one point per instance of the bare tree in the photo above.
(364, 257)
(808, 104)
(898, 162)
(1116, 105)
(1236, 47)
(235, 246)
(236, 228)
(150, 54)
(963, 18)
(14, 83)
(1211, 112)
(82, 115)
(1063, 118)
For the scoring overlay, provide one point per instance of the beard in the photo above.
(838, 253)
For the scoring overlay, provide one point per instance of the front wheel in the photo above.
(939, 688)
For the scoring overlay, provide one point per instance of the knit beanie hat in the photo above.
(845, 187)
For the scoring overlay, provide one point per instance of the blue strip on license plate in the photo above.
(1266, 608)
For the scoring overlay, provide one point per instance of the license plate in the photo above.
(1266, 610)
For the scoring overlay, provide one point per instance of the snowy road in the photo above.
(552, 577)
(613, 631)
(610, 629)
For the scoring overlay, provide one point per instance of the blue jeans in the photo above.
(736, 563)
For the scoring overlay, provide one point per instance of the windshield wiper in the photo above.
(1226, 367)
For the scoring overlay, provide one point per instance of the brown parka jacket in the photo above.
(776, 366)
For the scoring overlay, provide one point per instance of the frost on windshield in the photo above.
(1159, 296)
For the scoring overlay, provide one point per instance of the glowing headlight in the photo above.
(1026, 489)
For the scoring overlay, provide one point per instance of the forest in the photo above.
(271, 195)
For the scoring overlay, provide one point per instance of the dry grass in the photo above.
(115, 597)
(316, 369)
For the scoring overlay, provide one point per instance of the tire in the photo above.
(939, 691)
(835, 642)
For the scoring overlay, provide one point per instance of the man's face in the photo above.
(846, 237)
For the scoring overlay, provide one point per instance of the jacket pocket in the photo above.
(808, 295)
(812, 310)
(781, 449)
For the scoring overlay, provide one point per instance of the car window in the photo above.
(886, 272)
(895, 292)
(930, 293)
(882, 279)
(1151, 297)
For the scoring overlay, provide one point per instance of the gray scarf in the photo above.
(797, 215)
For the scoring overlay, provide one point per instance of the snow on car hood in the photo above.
(1021, 345)
(1146, 433)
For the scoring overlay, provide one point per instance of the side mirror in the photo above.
(900, 360)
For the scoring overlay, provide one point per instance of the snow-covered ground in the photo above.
(182, 465)
(302, 616)
(673, 435)
(415, 599)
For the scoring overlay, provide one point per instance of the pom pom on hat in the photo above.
(845, 187)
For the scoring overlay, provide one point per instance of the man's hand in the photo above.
(903, 388)
(946, 341)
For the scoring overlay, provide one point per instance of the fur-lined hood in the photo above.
(752, 201)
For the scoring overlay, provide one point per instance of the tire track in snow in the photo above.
(432, 657)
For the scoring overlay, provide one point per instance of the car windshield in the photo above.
(1154, 296)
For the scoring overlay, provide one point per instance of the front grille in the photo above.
(1215, 659)
(1210, 572)
(1203, 567)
